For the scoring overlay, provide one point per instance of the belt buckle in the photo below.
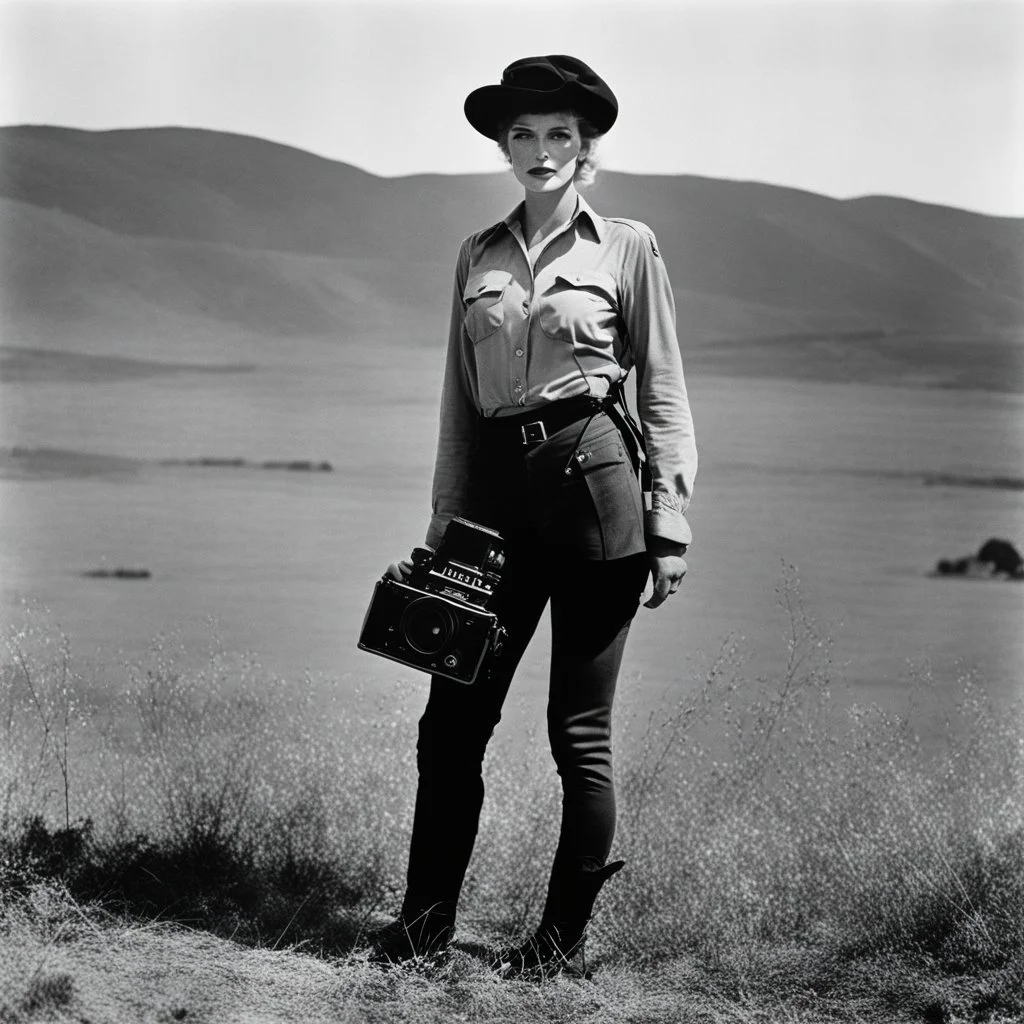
(533, 433)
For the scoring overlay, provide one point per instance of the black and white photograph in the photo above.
(512, 511)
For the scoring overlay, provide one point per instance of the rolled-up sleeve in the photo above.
(648, 311)
(457, 434)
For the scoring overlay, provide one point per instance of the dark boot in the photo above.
(425, 934)
(559, 937)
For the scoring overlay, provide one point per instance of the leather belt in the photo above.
(537, 425)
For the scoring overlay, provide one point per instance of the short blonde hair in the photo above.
(586, 163)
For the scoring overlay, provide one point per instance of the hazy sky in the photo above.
(920, 98)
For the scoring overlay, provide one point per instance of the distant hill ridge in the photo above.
(135, 241)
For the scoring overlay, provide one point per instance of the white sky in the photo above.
(919, 98)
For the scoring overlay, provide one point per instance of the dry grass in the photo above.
(63, 962)
(789, 859)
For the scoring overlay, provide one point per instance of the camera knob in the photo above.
(451, 661)
(421, 556)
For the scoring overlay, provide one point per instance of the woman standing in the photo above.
(552, 308)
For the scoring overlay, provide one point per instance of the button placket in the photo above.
(520, 349)
(518, 367)
(518, 381)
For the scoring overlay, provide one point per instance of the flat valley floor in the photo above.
(837, 480)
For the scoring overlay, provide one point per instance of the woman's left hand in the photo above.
(668, 567)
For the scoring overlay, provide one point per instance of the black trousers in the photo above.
(558, 527)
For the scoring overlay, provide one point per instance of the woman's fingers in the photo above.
(667, 572)
(399, 570)
(659, 594)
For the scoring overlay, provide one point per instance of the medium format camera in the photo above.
(437, 619)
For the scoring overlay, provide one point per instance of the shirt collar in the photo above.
(582, 209)
(596, 222)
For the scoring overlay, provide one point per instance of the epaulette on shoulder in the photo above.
(640, 228)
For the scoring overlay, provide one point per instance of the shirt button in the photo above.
(519, 352)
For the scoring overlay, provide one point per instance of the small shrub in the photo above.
(48, 991)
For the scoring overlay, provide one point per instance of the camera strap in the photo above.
(631, 432)
(618, 412)
(615, 406)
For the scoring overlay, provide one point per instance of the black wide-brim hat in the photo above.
(540, 85)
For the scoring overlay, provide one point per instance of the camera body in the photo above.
(437, 620)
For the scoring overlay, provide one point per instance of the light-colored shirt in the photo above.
(596, 303)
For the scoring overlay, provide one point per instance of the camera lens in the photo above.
(428, 626)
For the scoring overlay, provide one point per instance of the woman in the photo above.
(552, 307)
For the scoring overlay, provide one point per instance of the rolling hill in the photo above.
(173, 243)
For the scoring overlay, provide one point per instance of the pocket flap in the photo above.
(490, 282)
(603, 451)
(588, 279)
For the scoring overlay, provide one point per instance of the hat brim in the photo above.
(489, 106)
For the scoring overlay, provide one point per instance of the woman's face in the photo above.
(543, 149)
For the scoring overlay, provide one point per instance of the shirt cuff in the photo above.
(435, 531)
(668, 523)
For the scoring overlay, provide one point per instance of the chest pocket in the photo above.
(485, 311)
(579, 306)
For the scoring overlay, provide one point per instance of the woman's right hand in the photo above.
(400, 570)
